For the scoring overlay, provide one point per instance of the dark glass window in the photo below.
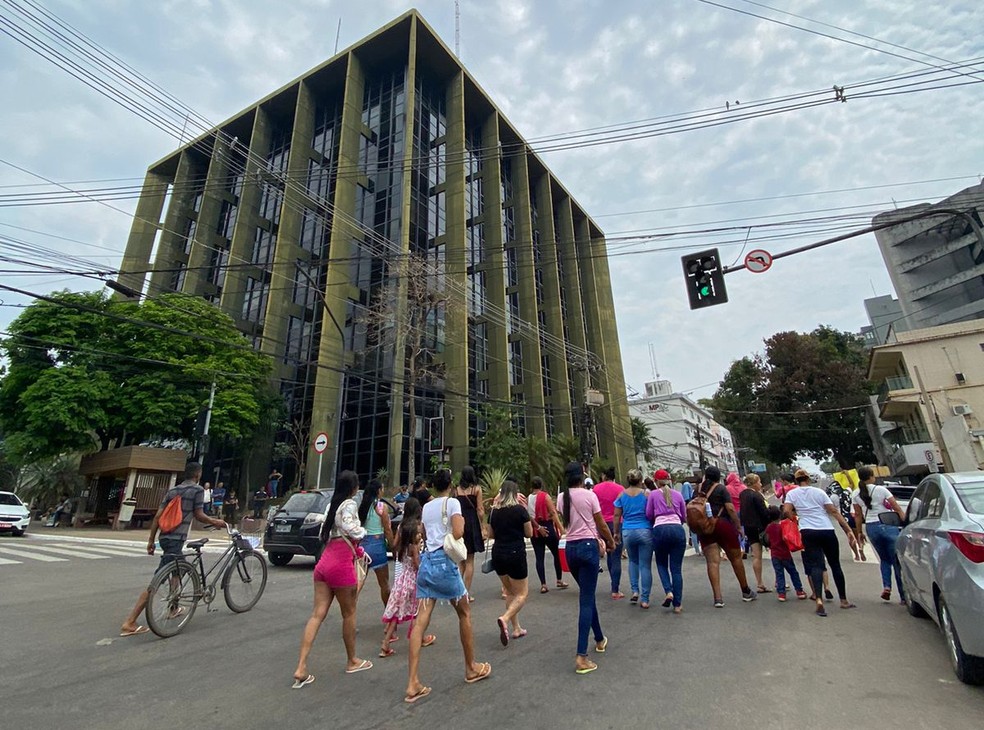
(263, 242)
(512, 266)
(255, 300)
(515, 362)
(227, 219)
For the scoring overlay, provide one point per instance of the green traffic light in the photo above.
(705, 291)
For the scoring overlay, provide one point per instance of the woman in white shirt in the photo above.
(813, 509)
(870, 501)
(439, 579)
(335, 576)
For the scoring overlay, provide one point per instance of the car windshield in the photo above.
(972, 496)
(10, 499)
(306, 502)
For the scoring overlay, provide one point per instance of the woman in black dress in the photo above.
(469, 494)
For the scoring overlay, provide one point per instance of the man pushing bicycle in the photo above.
(180, 504)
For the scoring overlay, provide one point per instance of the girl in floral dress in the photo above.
(402, 604)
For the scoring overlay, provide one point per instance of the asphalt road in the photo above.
(757, 665)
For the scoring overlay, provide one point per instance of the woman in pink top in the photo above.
(735, 487)
(667, 512)
(582, 513)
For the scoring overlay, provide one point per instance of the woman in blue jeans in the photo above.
(633, 530)
(666, 511)
(870, 501)
(585, 527)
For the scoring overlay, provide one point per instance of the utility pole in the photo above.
(700, 449)
(934, 421)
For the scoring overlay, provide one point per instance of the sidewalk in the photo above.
(247, 526)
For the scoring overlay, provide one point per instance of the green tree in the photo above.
(804, 394)
(501, 446)
(87, 372)
(43, 482)
(642, 439)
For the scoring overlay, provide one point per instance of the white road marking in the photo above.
(69, 552)
(31, 556)
(9, 562)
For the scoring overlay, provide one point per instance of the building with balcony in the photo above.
(685, 435)
(293, 216)
(936, 263)
(930, 399)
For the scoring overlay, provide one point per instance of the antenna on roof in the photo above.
(457, 28)
(338, 34)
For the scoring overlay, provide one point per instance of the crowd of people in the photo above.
(445, 526)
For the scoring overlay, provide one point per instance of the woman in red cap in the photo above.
(667, 513)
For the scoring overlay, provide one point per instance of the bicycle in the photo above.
(177, 588)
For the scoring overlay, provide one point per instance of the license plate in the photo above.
(281, 528)
(4, 525)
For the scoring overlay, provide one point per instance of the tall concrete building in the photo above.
(295, 213)
(884, 317)
(936, 263)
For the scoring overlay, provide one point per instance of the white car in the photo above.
(14, 515)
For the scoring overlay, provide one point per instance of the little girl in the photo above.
(782, 557)
(402, 604)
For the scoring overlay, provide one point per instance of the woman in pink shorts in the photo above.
(335, 576)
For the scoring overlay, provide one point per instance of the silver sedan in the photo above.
(941, 554)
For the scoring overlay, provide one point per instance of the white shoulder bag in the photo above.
(453, 548)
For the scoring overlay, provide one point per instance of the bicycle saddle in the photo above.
(197, 544)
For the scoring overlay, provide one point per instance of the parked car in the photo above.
(941, 555)
(295, 528)
(14, 514)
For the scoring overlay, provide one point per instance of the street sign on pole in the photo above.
(758, 261)
(320, 444)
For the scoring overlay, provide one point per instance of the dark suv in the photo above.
(295, 529)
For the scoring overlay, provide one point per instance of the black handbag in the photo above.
(890, 518)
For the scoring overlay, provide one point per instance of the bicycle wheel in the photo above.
(173, 598)
(244, 581)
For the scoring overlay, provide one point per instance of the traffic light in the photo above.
(435, 434)
(704, 277)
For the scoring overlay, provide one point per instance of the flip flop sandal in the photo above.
(503, 632)
(667, 601)
(383, 653)
(486, 671)
(586, 670)
(849, 605)
(643, 605)
(521, 634)
(428, 640)
(135, 632)
(561, 585)
(822, 612)
(603, 646)
(544, 589)
(886, 595)
(828, 595)
(366, 664)
(419, 695)
(763, 589)
(635, 598)
(299, 683)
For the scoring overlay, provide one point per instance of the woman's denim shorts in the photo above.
(439, 577)
(375, 547)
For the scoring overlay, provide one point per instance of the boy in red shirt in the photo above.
(782, 557)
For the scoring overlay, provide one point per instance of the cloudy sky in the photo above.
(559, 67)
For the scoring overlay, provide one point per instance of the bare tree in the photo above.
(294, 449)
(407, 315)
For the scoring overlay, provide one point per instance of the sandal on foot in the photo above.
(383, 653)
(544, 589)
(602, 646)
(886, 595)
(485, 672)
(586, 669)
(520, 634)
(428, 640)
(134, 632)
(366, 664)
(763, 589)
(821, 612)
(419, 694)
(298, 683)
(503, 632)
(668, 600)
(635, 598)
(849, 605)
(644, 604)
(562, 585)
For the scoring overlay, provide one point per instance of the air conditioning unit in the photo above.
(962, 410)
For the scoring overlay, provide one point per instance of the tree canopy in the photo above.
(804, 394)
(87, 372)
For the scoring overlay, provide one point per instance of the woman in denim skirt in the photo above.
(439, 579)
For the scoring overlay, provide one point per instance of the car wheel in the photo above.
(911, 606)
(969, 669)
(19, 533)
(280, 559)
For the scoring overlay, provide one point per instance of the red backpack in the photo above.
(172, 516)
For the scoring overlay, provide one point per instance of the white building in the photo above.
(685, 436)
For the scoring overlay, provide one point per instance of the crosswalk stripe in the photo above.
(68, 551)
(31, 556)
(114, 551)
(9, 562)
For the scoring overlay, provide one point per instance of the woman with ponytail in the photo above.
(634, 530)
(666, 511)
(870, 501)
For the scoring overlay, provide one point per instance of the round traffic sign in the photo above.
(758, 261)
(321, 442)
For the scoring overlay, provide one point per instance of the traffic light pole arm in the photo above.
(871, 229)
